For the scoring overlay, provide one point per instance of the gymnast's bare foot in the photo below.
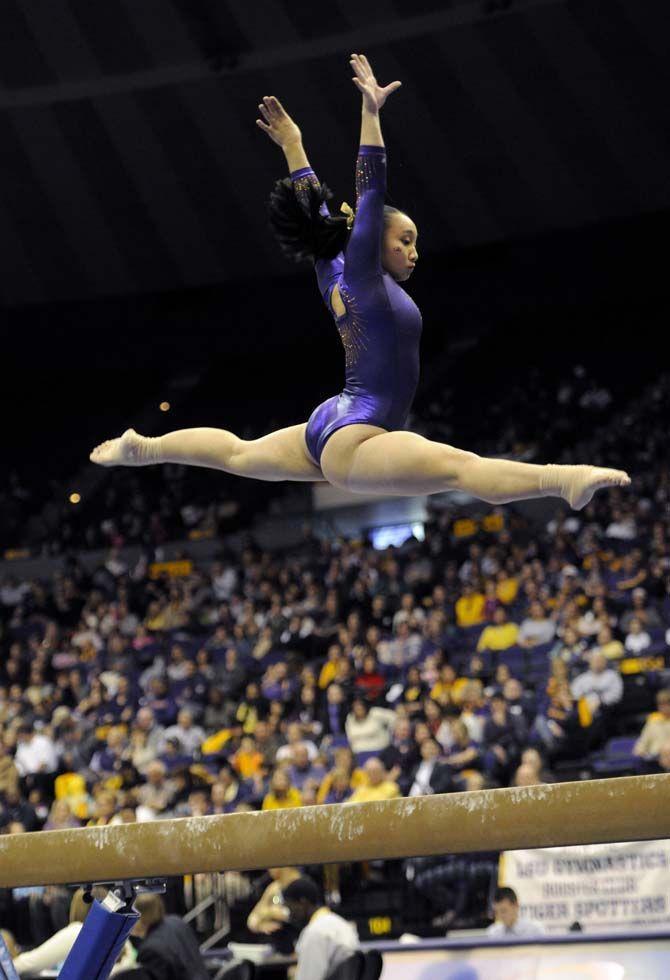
(130, 449)
(577, 484)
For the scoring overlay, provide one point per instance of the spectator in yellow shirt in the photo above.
(470, 608)
(607, 644)
(656, 732)
(328, 671)
(501, 635)
(448, 688)
(507, 588)
(379, 786)
(282, 795)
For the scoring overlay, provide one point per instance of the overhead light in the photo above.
(74, 498)
(164, 406)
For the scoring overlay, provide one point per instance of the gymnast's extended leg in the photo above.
(364, 458)
(280, 455)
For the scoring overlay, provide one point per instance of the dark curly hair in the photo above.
(307, 235)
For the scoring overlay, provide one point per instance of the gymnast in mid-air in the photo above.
(356, 440)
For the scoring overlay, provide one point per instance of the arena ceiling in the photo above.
(130, 161)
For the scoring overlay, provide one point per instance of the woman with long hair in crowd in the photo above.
(355, 440)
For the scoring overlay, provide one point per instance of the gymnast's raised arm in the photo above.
(363, 254)
(283, 130)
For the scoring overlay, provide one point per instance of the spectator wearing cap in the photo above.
(656, 731)
(326, 939)
(500, 635)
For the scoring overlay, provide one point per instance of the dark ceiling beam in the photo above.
(267, 58)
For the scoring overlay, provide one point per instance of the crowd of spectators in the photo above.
(484, 655)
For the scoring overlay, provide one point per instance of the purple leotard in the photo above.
(381, 328)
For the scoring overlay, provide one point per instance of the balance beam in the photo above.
(599, 811)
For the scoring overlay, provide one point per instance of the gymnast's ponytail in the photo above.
(304, 234)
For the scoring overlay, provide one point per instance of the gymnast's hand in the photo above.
(278, 124)
(374, 95)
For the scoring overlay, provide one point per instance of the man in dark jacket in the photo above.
(169, 949)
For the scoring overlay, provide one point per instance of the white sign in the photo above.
(601, 886)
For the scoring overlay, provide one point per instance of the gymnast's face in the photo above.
(399, 253)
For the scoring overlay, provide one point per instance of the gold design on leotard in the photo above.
(365, 170)
(351, 330)
(301, 186)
